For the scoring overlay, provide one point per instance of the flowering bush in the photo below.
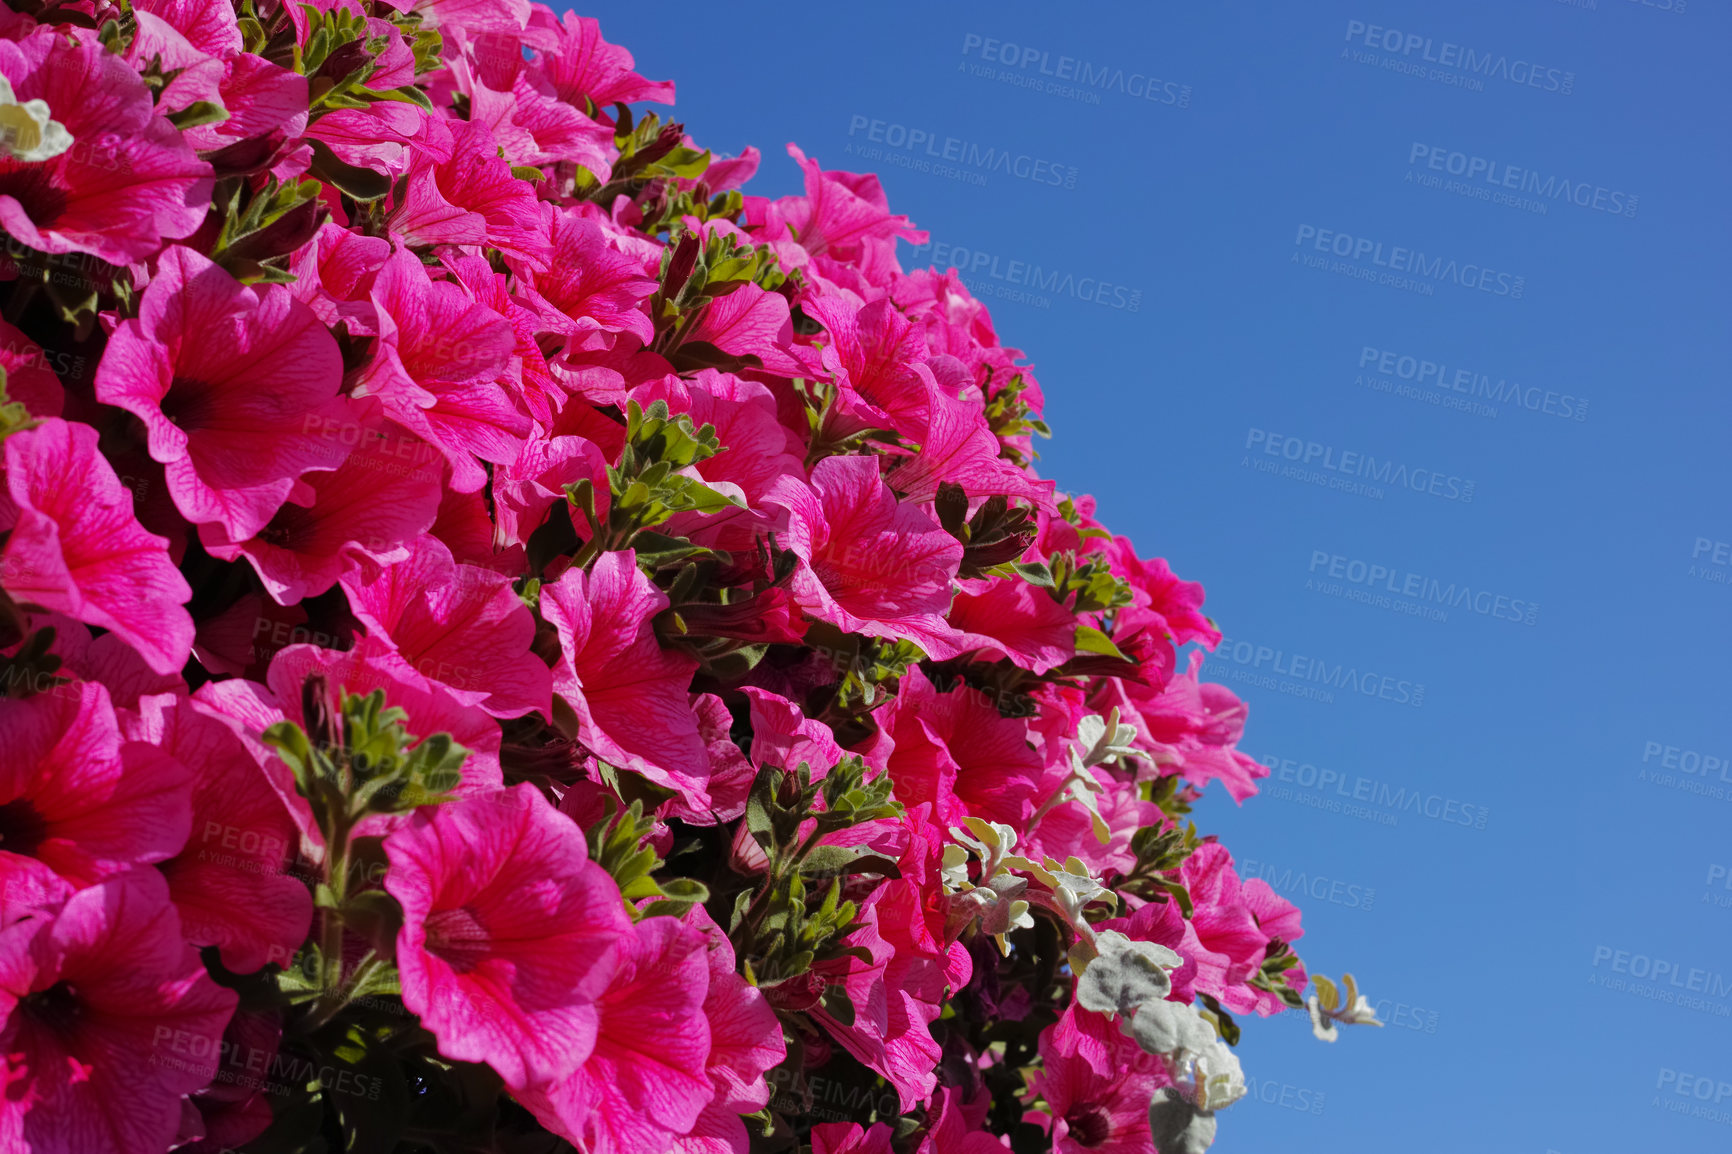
(507, 640)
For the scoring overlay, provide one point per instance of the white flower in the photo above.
(26, 131)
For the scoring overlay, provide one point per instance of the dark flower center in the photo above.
(57, 1008)
(1089, 1125)
(22, 829)
(458, 937)
(188, 403)
(33, 186)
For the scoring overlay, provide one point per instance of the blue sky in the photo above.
(1377, 252)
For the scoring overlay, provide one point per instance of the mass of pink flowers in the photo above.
(507, 640)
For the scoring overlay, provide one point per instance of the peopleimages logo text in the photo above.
(1405, 584)
(967, 152)
(1410, 261)
(1028, 275)
(1447, 54)
(1394, 798)
(1581, 193)
(1439, 375)
(1139, 85)
(1301, 667)
(1363, 465)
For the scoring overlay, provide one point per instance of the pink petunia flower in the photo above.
(1012, 618)
(783, 736)
(591, 286)
(78, 797)
(440, 369)
(745, 1041)
(629, 694)
(582, 64)
(1225, 927)
(646, 1083)
(76, 547)
(234, 387)
(459, 625)
(429, 706)
(957, 752)
(849, 1138)
(228, 882)
(472, 198)
(510, 933)
(1097, 1084)
(843, 220)
(110, 1019)
(127, 183)
(869, 564)
(380, 499)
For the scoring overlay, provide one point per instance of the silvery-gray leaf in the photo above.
(1126, 974)
(1178, 1127)
(1165, 1028)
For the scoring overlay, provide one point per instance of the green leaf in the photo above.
(1092, 640)
(197, 113)
(362, 184)
(838, 1004)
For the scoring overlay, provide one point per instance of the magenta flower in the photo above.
(127, 183)
(379, 500)
(584, 65)
(76, 547)
(849, 1138)
(646, 1083)
(208, 25)
(843, 220)
(510, 933)
(1225, 927)
(76, 796)
(896, 996)
(591, 286)
(1097, 1084)
(955, 751)
(459, 625)
(629, 694)
(472, 198)
(783, 736)
(1011, 618)
(440, 369)
(745, 1041)
(235, 387)
(229, 881)
(756, 447)
(110, 1019)
(430, 707)
(869, 564)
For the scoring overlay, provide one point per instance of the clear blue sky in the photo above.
(1275, 127)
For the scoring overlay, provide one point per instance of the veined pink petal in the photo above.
(229, 881)
(629, 694)
(870, 564)
(234, 387)
(459, 625)
(510, 933)
(78, 797)
(117, 1020)
(1017, 620)
(78, 549)
(645, 1083)
(128, 183)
